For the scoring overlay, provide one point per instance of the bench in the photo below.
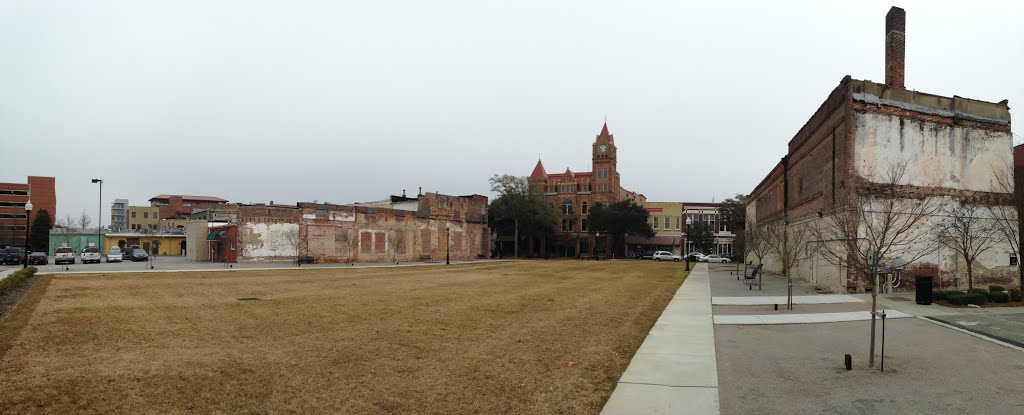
(425, 258)
(751, 279)
(305, 259)
(584, 256)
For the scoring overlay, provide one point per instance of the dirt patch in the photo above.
(485, 338)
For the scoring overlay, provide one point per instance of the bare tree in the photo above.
(293, 239)
(967, 231)
(1007, 217)
(787, 242)
(66, 227)
(880, 220)
(83, 221)
(757, 242)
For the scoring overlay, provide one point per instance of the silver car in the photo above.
(666, 256)
(715, 258)
(91, 254)
(114, 255)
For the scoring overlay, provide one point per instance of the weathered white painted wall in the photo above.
(948, 156)
(273, 240)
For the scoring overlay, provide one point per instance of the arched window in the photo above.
(567, 207)
(583, 207)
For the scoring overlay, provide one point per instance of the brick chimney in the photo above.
(895, 39)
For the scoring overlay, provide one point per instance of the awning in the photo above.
(657, 240)
(215, 235)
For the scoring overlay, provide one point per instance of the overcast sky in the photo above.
(346, 101)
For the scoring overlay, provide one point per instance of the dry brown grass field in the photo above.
(487, 338)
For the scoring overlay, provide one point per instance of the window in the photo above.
(145, 215)
(725, 228)
(583, 208)
(133, 215)
(710, 220)
(567, 207)
(655, 222)
(677, 223)
(584, 225)
(668, 224)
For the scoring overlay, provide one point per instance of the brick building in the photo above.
(571, 194)
(181, 206)
(952, 146)
(14, 196)
(348, 233)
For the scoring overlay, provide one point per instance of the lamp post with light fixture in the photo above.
(28, 214)
(684, 249)
(99, 218)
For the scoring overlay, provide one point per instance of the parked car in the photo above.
(91, 254)
(716, 258)
(731, 257)
(114, 255)
(12, 256)
(64, 255)
(666, 256)
(38, 258)
(139, 255)
(693, 257)
(645, 254)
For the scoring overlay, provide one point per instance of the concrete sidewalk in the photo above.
(674, 371)
(781, 299)
(803, 318)
(7, 271)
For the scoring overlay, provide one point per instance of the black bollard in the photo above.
(849, 362)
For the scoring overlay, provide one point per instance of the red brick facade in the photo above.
(13, 196)
(571, 194)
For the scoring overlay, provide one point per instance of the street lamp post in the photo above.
(99, 217)
(685, 251)
(447, 244)
(28, 214)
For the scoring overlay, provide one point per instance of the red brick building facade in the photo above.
(181, 206)
(860, 128)
(13, 196)
(572, 194)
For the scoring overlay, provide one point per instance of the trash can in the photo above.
(924, 290)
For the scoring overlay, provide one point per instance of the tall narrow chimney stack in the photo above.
(895, 39)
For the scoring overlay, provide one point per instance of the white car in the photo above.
(64, 255)
(91, 254)
(715, 258)
(114, 255)
(666, 256)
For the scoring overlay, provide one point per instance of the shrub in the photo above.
(981, 291)
(945, 294)
(996, 288)
(15, 279)
(1016, 294)
(968, 298)
(998, 297)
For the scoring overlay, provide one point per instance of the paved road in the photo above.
(1008, 328)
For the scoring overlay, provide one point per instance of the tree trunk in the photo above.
(970, 276)
(874, 307)
(515, 249)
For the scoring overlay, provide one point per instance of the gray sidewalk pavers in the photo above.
(804, 318)
(675, 370)
(781, 299)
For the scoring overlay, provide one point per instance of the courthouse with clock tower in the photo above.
(572, 194)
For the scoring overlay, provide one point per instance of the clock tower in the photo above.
(606, 177)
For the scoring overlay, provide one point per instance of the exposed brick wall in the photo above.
(895, 41)
(343, 233)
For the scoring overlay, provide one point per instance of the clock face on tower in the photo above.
(602, 148)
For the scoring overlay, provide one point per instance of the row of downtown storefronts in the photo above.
(669, 220)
